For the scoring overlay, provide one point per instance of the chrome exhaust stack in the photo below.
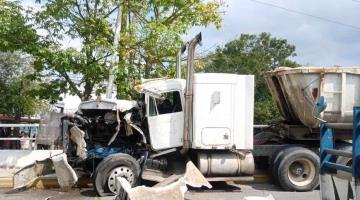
(188, 124)
(178, 60)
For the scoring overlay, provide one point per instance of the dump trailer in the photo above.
(292, 152)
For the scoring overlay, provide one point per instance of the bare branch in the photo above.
(111, 12)
(143, 20)
(72, 85)
(79, 10)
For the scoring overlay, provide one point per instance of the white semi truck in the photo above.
(208, 119)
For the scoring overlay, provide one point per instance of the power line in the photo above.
(204, 51)
(307, 14)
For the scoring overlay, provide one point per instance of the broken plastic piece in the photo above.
(26, 176)
(175, 190)
(77, 136)
(269, 197)
(64, 172)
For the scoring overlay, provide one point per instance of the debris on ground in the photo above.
(174, 191)
(66, 176)
(269, 197)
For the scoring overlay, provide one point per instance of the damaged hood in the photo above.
(124, 105)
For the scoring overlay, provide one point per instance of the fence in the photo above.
(31, 130)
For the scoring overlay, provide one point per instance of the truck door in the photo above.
(165, 119)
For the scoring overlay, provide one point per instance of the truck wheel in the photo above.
(275, 160)
(115, 165)
(298, 169)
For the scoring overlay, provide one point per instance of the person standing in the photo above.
(24, 141)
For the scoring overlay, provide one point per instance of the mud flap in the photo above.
(175, 190)
(26, 176)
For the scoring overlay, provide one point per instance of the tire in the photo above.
(298, 169)
(275, 160)
(119, 164)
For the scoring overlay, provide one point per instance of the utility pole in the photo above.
(114, 57)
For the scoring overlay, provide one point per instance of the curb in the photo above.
(46, 182)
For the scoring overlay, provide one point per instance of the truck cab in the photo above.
(222, 111)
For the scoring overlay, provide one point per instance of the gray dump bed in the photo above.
(296, 91)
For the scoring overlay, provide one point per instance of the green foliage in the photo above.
(17, 40)
(150, 34)
(254, 54)
(17, 98)
(15, 33)
(67, 69)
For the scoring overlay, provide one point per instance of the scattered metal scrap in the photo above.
(58, 164)
(269, 197)
(174, 188)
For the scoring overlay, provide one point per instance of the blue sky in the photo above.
(318, 42)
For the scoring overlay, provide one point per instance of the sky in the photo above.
(325, 32)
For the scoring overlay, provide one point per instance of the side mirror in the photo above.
(321, 104)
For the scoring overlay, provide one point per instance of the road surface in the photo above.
(221, 191)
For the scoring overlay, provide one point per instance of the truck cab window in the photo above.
(170, 102)
(152, 107)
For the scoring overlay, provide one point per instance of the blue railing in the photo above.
(332, 186)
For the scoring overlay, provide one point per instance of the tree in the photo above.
(153, 36)
(17, 98)
(17, 40)
(15, 32)
(254, 54)
(150, 32)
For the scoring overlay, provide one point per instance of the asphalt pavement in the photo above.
(221, 191)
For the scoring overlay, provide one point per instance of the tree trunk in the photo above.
(17, 116)
(18, 107)
(87, 91)
(147, 68)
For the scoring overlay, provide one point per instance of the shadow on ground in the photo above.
(217, 187)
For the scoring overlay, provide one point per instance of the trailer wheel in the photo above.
(298, 169)
(115, 165)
